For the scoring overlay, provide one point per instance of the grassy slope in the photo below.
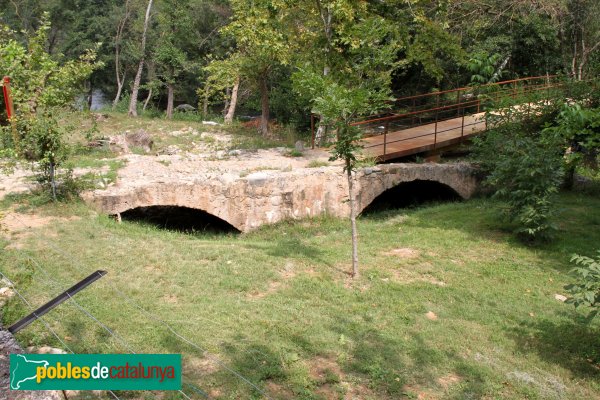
(277, 306)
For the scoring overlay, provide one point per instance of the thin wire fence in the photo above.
(148, 315)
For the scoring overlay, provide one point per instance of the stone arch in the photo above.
(460, 178)
(208, 199)
(415, 192)
(178, 218)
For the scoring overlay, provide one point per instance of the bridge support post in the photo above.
(385, 132)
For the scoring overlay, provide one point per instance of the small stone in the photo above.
(212, 123)
(431, 316)
(560, 297)
(6, 292)
(257, 178)
(299, 146)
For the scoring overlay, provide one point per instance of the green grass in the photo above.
(277, 305)
(317, 164)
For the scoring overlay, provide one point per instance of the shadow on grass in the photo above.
(572, 343)
(294, 248)
(407, 367)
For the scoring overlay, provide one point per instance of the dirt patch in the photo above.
(17, 226)
(170, 298)
(417, 392)
(328, 374)
(322, 367)
(201, 366)
(272, 288)
(408, 277)
(404, 252)
(278, 391)
(448, 380)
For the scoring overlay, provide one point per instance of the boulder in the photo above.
(185, 108)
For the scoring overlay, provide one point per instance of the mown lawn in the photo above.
(278, 307)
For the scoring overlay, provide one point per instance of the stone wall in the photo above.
(271, 196)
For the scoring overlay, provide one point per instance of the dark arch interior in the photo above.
(411, 194)
(180, 219)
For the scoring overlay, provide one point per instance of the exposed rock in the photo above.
(141, 138)
(185, 108)
(210, 123)
(99, 117)
(44, 350)
(8, 346)
(118, 144)
(560, 297)
(299, 146)
(431, 316)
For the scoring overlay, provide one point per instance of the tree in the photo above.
(262, 43)
(120, 72)
(170, 56)
(357, 84)
(583, 27)
(138, 76)
(40, 84)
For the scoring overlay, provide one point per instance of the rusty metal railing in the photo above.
(436, 107)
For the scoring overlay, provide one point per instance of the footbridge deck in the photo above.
(433, 121)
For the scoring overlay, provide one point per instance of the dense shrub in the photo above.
(585, 293)
(525, 172)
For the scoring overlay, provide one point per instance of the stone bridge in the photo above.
(268, 197)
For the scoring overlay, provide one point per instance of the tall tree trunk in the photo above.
(227, 97)
(264, 101)
(205, 102)
(233, 102)
(169, 100)
(138, 75)
(327, 18)
(120, 83)
(147, 99)
(352, 219)
(90, 96)
(118, 38)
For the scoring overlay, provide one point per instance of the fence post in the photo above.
(458, 103)
(10, 109)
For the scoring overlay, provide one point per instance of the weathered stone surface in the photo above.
(270, 196)
(8, 346)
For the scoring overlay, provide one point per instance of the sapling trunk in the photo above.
(264, 117)
(53, 179)
(169, 101)
(352, 219)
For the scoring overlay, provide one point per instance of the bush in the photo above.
(586, 291)
(525, 172)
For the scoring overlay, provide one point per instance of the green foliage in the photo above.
(524, 167)
(579, 129)
(358, 85)
(38, 80)
(585, 293)
(483, 68)
(39, 85)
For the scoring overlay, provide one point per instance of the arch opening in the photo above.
(412, 194)
(179, 219)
